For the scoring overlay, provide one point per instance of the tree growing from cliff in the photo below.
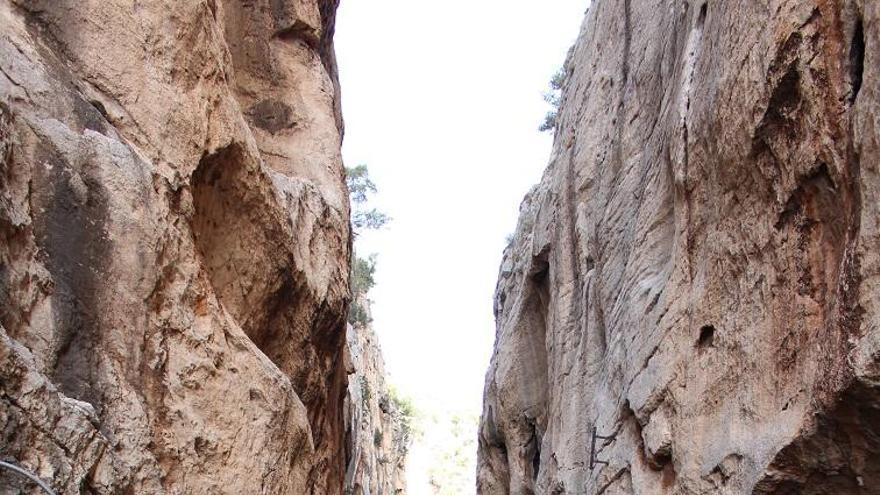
(362, 271)
(554, 98)
(360, 187)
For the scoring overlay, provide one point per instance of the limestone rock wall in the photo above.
(175, 246)
(377, 436)
(696, 275)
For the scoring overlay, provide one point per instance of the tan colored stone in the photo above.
(377, 435)
(175, 244)
(696, 273)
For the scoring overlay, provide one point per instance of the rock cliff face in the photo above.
(377, 435)
(696, 275)
(175, 246)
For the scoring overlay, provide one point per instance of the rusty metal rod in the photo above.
(593, 459)
(27, 474)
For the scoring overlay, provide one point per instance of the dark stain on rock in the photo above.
(90, 115)
(782, 109)
(299, 30)
(837, 454)
(288, 26)
(272, 115)
(71, 234)
(857, 60)
(779, 124)
(729, 467)
(814, 186)
(814, 212)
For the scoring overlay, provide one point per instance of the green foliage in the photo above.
(549, 121)
(362, 272)
(454, 458)
(359, 184)
(407, 411)
(358, 315)
(554, 98)
(370, 219)
(360, 187)
(558, 80)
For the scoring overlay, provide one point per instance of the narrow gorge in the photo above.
(175, 250)
(689, 304)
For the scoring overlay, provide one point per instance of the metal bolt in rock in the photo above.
(594, 460)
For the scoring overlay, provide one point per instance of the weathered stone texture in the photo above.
(377, 436)
(175, 246)
(697, 272)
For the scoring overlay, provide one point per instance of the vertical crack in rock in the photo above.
(624, 86)
(694, 45)
(857, 60)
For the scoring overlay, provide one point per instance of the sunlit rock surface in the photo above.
(696, 275)
(378, 435)
(175, 246)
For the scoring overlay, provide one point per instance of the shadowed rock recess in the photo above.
(175, 246)
(697, 274)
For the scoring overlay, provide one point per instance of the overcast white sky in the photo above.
(442, 100)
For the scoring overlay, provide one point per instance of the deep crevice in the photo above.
(536, 456)
(786, 96)
(707, 336)
(857, 60)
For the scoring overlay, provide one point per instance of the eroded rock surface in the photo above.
(696, 275)
(175, 246)
(378, 435)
